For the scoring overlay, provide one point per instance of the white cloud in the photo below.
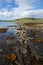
(23, 10)
(16, 14)
(34, 13)
(24, 4)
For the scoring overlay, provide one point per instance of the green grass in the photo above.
(28, 20)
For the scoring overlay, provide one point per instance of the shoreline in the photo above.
(3, 30)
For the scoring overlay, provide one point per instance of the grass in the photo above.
(28, 20)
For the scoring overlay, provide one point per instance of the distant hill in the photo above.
(28, 20)
(25, 20)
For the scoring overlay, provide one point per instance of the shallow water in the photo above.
(9, 32)
(5, 24)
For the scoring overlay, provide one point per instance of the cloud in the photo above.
(14, 14)
(24, 4)
(34, 13)
(26, 8)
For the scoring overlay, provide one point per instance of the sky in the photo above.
(14, 9)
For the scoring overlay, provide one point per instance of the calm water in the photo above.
(9, 32)
(5, 24)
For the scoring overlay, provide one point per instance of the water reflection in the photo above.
(5, 24)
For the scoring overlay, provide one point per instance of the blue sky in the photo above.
(8, 4)
(14, 9)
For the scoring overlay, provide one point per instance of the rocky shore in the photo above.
(16, 46)
(2, 30)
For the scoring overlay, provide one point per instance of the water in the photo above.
(5, 24)
(9, 32)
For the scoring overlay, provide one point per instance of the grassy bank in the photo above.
(28, 20)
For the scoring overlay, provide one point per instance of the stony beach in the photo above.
(22, 46)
